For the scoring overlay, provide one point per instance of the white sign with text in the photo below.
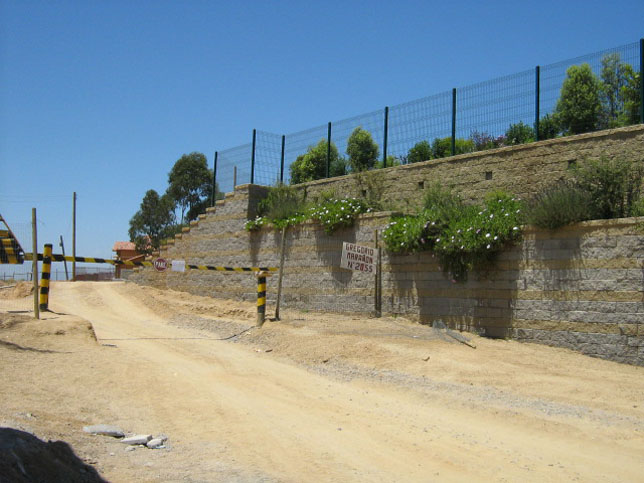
(358, 258)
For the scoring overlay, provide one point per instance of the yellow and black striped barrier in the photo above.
(261, 296)
(60, 258)
(10, 249)
(44, 278)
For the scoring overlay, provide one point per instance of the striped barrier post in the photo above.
(261, 296)
(44, 280)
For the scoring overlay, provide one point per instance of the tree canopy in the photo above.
(362, 150)
(312, 164)
(189, 182)
(154, 221)
(421, 151)
(579, 107)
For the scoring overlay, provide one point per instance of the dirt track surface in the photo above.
(310, 398)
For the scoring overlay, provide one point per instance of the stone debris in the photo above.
(104, 430)
(155, 443)
(137, 439)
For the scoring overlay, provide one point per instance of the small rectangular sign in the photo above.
(178, 265)
(358, 258)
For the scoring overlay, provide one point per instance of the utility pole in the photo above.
(34, 261)
(74, 239)
(62, 246)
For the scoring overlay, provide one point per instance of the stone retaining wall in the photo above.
(523, 170)
(580, 287)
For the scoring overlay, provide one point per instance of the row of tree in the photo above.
(189, 193)
(587, 102)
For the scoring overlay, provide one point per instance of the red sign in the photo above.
(160, 264)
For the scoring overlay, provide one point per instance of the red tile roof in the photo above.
(123, 245)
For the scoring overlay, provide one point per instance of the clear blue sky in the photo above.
(102, 97)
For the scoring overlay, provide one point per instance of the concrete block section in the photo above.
(137, 439)
(104, 430)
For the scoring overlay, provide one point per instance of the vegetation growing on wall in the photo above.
(462, 236)
(598, 189)
(284, 206)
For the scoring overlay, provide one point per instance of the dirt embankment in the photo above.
(310, 398)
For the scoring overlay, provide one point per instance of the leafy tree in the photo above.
(630, 94)
(548, 127)
(312, 164)
(519, 133)
(362, 150)
(154, 221)
(613, 76)
(421, 151)
(579, 106)
(190, 181)
(442, 147)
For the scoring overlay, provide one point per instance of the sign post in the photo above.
(358, 258)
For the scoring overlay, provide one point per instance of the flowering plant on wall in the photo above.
(461, 236)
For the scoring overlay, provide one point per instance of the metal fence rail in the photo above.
(467, 115)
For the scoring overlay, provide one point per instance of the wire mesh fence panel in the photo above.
(299, 143)
(484, 114)
(268, 152)
(611, 67)
(420, 120)
(231, 160)
(486, 110)
(372, 122)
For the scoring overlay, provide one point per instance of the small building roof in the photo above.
(123, 245)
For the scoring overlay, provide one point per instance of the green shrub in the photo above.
(638, 208)
(579, 107)
(282, 202)
(362, 150)
(519, 133)
(548, 127)
(442, 147)
(613, 185)
(421, 151)
(337, 213)
(312, 164)
(562, 204)
(463, 237)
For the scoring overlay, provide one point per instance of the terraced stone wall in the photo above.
(523, 170)
(580, 287)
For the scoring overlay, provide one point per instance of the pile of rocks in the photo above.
(141, 440)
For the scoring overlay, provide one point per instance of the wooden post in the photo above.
(378, 288)
(74, 239)
(34, 261)
(279, 280)
(62, 247)
(234, 177)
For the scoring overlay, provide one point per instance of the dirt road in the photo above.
(309, 398)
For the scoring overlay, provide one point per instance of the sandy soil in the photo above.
(309, 398)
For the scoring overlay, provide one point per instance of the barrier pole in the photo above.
(261, 297)
(44, 280)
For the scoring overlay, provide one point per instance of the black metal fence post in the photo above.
(642, 81)
(252, 158)
(537, 91)
(328, 151)
(384, 142)
(214, 180)
(282, 160)
(453, 121)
